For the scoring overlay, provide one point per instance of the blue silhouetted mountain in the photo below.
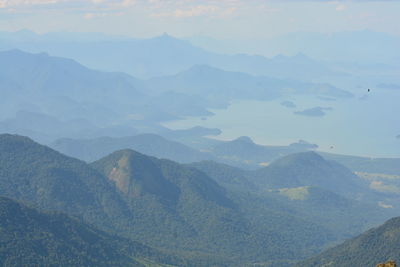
(245, 153)
(42, 86)
(313, 112)
(162, 55)
(389, 166)
(149, 144)
(219, 86)
(63, 88)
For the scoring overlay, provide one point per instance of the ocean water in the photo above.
(365, 125)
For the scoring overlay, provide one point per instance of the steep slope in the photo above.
(370, 248)
(164, 204)
(191, 212)
(149, 144)
(39, 175)
(32, 238)
(166, 196)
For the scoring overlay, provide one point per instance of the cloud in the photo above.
(170, 8)
(340, 7)
(19, 3)
(101, 15)
(195, 11)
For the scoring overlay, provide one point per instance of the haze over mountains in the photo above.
(356, 46)
(101, 101)
(160, 56)
(128, 159)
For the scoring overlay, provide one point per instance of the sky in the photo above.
(220, 19)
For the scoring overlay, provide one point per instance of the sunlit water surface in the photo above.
(366, 125)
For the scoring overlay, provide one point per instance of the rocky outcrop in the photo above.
(387, 264)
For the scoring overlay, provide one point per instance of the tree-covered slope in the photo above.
(367, 250)
(343, 216)
(174, 207)
(39, 175)
(29, 237)
(310, 169)
(191, 212)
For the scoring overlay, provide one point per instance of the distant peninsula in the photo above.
(313, 112)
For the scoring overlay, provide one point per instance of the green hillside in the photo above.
(209, 219)
(310, 169)
(367, 250)
(49, 180)
(192, 212)
(32, 238)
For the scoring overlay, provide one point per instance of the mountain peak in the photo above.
(135, 174)
(244, 139)
(302, 158)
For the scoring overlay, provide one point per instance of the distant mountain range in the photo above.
(159, 56)
(150, 144)
(351, 46)
(49, 97)
(220, 87)
(240, 152)
(197, 217)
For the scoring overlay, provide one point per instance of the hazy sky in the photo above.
(215, 18)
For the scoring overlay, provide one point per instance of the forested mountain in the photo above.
(49, 180)
(133, 194)
(29, 237)
(191, 211)
(309, 187)
(368, 249)
(189, 133)
(310, 169)
(225, 217)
